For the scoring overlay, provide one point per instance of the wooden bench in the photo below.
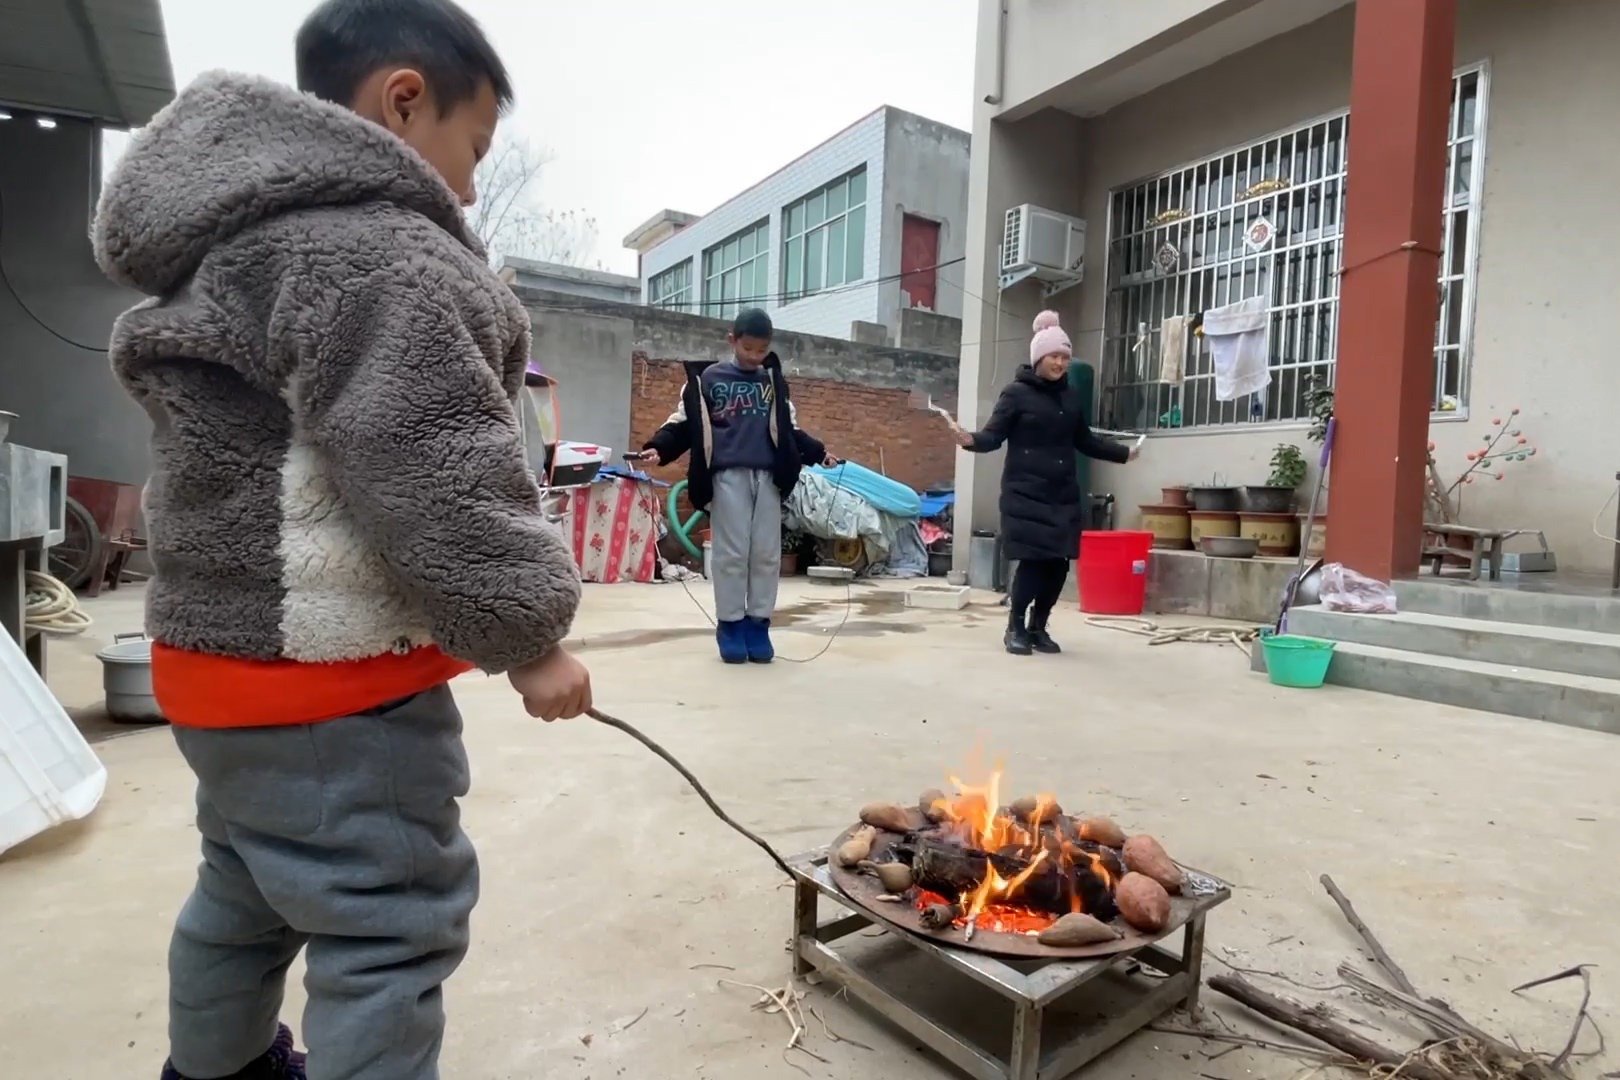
(1442, 541)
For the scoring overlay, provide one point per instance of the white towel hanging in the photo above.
(1239, 339)
(1172, 349)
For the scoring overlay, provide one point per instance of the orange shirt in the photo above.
(201, 690)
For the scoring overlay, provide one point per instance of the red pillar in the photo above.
(1400, 101)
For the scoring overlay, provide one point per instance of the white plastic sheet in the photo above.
(1345, 590)
(48, 773)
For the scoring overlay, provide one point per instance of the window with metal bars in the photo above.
(672, 288)
(1195, 238)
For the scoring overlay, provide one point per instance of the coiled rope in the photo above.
(52, 607)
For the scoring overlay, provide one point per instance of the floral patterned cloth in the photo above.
(613, 524)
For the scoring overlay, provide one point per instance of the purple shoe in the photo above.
(280, 1062)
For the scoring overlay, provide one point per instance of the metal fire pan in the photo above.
(863, 890)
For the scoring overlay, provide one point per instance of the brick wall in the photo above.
(875, 426)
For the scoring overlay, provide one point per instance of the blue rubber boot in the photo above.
(280, 1062)
(733, 639)
(758, 636)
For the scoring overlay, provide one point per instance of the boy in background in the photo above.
(341, 521)
(736, 419)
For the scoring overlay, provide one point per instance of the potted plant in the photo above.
(1214, 496)
(791, 542)
(1276, 495)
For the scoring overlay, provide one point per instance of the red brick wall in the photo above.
(874, 426)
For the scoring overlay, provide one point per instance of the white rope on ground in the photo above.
(1164, 635)
(52, 607)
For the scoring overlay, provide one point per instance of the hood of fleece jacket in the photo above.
(232, 151)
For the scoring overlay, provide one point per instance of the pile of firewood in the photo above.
(1455, 1049)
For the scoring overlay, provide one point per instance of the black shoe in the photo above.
(1042, 642)
(1017, 641)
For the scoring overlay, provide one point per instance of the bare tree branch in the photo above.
(509, 218)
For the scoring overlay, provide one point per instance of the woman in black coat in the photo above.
(1041, 419)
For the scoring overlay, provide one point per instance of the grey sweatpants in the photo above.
(343, 838)
(745, 531)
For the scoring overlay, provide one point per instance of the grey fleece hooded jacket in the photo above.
(329, 365)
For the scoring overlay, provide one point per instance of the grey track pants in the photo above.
(343, 838)
(745, 531)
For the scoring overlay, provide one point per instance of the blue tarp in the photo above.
(888, 496)
(935, 505)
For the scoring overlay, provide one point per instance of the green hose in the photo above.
(683, 529)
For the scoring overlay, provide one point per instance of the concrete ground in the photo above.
(1480, 847)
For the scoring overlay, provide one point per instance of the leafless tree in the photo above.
(508, 216)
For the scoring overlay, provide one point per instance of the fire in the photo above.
(976, 818)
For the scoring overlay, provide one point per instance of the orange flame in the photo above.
(975, 818)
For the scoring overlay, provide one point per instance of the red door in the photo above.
(919, 259)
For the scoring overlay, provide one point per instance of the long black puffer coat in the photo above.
(1043, 424)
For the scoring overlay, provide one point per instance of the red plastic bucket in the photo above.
(1113, 572)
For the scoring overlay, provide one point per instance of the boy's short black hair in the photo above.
(344, 41)
(752, 322)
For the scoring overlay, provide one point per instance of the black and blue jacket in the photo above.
(689, 430)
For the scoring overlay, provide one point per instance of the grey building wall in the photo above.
(559, 277)
(585, 344)
(1545, 247)
(56, 376)
(925, 173)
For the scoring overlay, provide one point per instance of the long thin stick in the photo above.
(614, 722)
(1315, 1023)
(1385, 961)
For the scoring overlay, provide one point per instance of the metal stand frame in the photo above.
(1030, 989)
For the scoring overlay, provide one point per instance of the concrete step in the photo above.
(1542, 648)
(1559, 698)
(1528, 602)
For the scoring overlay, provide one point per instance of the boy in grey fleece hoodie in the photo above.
(341, 520)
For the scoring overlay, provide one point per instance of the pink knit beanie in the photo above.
(1049, 337)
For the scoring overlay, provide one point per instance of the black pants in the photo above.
(1036, 585)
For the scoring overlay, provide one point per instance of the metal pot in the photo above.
(126, 677)
(1214, 498)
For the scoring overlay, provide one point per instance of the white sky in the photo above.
(647, 104)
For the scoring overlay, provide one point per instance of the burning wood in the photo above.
(972, 863)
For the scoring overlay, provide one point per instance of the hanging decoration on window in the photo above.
(1167, 258)
(1259, 235)
(1168, 217)
(1265, 187)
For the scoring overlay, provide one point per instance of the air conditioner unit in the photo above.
(1043, 244)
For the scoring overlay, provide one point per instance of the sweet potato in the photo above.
(932, 803)
(886, 816)
(1101, 830)
(894, 877)
(856, 849)
(1143, 903)
(1145, 855)
(1024, 809)
(1076, 929)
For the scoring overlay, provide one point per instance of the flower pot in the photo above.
(1277, 534)
(1169, 525)
(1316, 541)
(1173, 496)
(1261, 499)
(1211, 523)
(1213, 498)
(790, 564)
